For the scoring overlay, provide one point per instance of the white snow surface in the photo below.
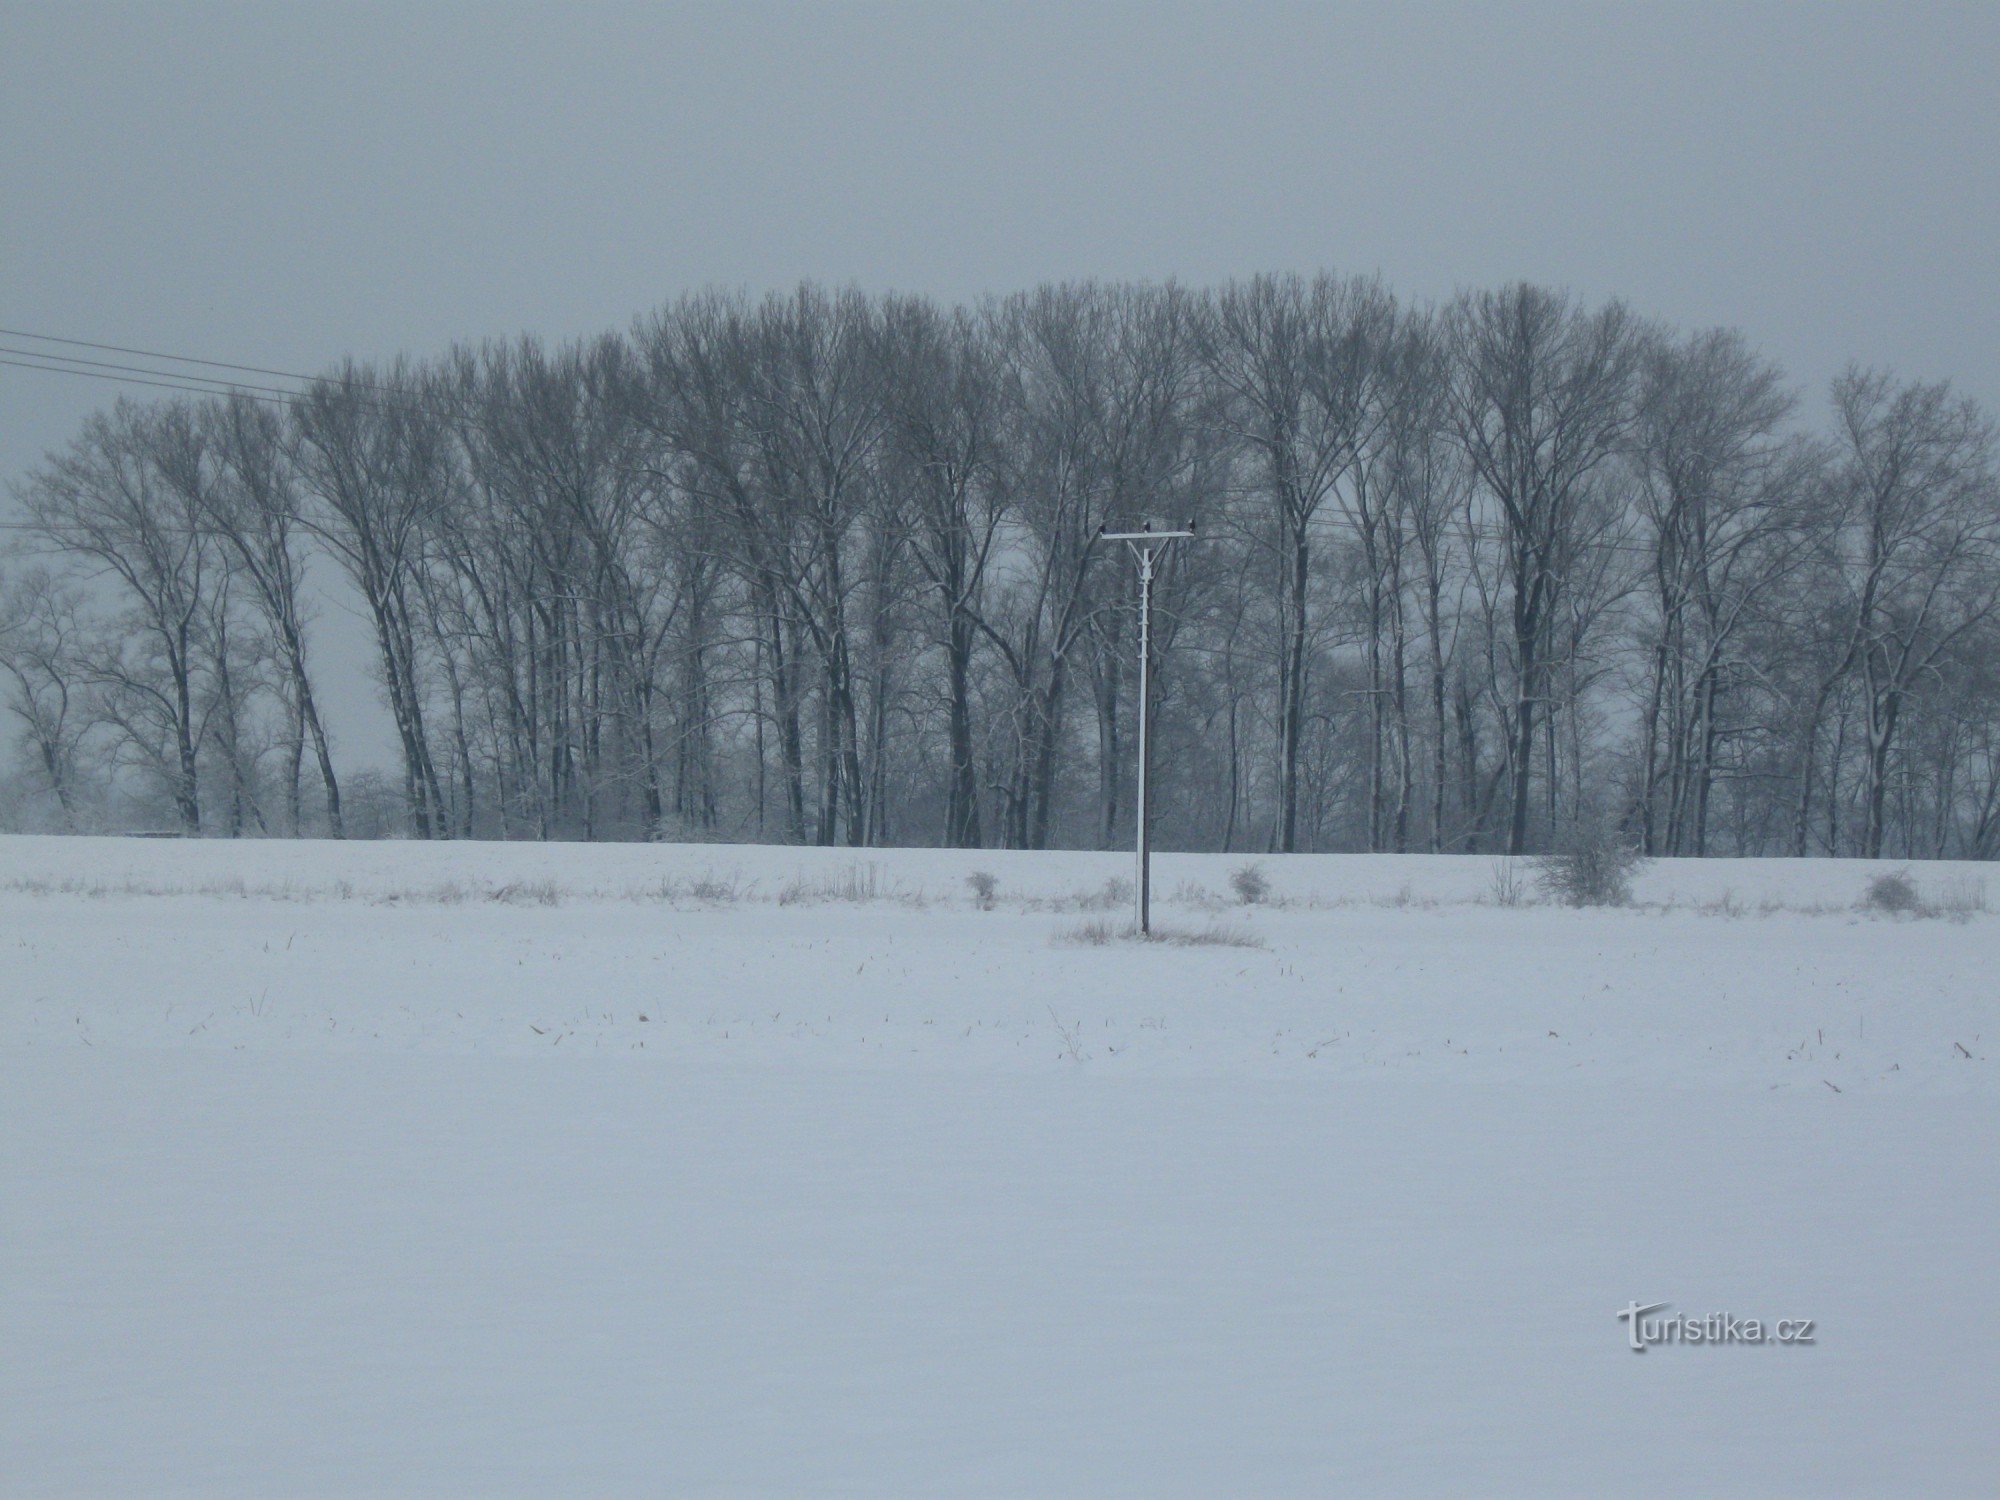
(566, 1169)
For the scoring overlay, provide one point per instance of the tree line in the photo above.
(822, 567)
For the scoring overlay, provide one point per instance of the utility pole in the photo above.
(1145, 545)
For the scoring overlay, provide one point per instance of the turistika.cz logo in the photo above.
(1643, 1332)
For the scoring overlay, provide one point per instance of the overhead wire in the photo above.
(226, 385)
(188, 359)
(181, 380)
(166, 385)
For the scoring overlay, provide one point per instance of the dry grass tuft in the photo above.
(527, 893)
(1103, 932)
(716, 890)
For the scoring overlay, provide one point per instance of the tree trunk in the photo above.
(1292, 690)
(1881, 739)
(962, 798)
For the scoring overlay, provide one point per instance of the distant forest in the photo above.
(822, 568)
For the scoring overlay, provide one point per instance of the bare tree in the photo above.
(1540, 401)
(1300, 361)
(1918, 547)
(817, 422)
(700, 357)
(943, 392)
(41, 635)
(104, 499)
(1429, 484)
(371, 453)
(1719, 498)
(1098, 430)
(822, 567)
(251, 503)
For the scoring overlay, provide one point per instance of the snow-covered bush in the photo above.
(1250, 883)
(1892, 891)
(1592, 865)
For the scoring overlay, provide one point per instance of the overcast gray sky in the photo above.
(287, 184)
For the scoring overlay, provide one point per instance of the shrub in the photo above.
(1507, 890)
(1892, 891)
(1593, 865)
(985, 885)
(1963, 896)
(1114, 893)
(1194, 893)
(714, 888)
(1251, 884)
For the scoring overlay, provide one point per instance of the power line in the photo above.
(102, 364)
(337, 381)
(167, 385)
(454, 408)
(184, 359)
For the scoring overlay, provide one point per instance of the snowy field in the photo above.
(517, 1169)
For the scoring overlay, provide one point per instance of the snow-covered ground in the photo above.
(682, 1170)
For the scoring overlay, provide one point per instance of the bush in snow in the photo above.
(1892, 891)
(984, 885)
(1592, 865)
(1251, 884)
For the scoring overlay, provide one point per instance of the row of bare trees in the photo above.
(821, 567)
